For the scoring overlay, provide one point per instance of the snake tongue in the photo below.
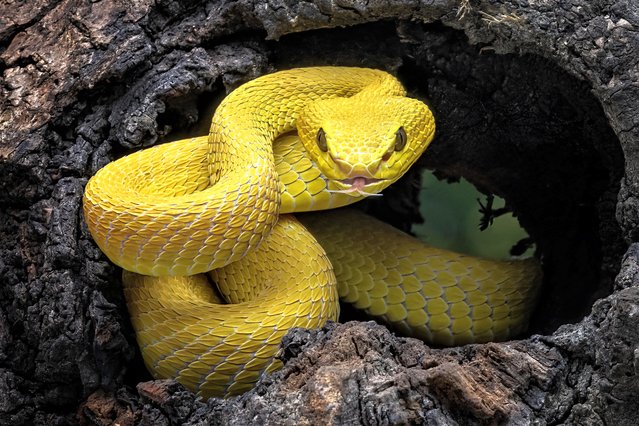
(358, 183)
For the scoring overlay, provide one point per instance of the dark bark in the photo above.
(535, 101)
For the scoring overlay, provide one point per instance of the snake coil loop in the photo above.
(172, 213)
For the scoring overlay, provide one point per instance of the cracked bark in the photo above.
(534, 102)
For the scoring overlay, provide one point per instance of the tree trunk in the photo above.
(535, 101)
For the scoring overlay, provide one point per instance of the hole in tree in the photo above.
(514, 126)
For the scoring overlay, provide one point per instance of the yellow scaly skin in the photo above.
(221, 349)
(197, 205)
(436, 295)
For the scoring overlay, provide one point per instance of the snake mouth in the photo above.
(359, 181)
(356, 186)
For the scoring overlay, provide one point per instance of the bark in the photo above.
(535, 101)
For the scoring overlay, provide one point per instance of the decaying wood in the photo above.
(535, 101)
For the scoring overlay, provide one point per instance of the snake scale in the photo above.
(181, 216)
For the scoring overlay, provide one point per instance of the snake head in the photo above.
(364, 143)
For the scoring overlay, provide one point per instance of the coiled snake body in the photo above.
(173, 212)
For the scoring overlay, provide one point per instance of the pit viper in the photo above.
(181, 216)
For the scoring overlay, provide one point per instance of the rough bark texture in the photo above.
(535, 101)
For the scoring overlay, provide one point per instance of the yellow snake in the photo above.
(173, 212)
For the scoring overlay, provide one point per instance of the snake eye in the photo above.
(321, 140)
(400, 139)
